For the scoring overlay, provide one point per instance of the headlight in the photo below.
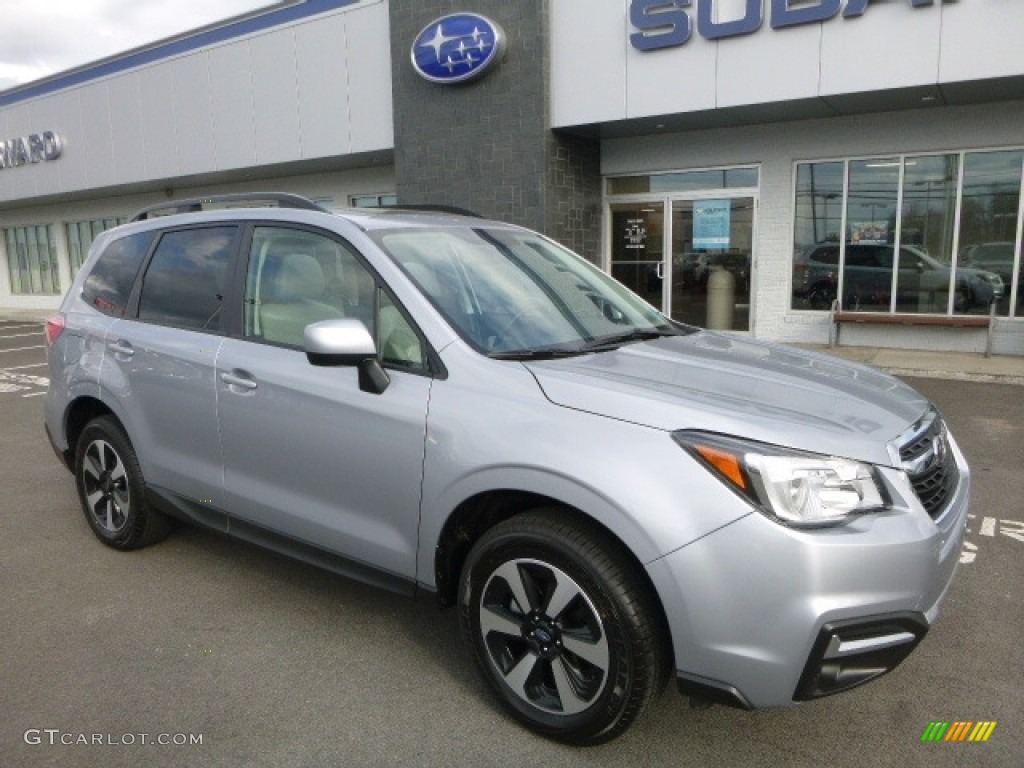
(800, 489)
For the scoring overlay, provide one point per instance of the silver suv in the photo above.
(439, 403)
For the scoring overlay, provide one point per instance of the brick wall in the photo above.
(486, 145)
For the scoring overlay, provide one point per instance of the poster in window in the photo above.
(711, 224)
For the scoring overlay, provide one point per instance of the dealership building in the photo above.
(743, 164)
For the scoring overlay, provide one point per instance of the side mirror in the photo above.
(346, 342)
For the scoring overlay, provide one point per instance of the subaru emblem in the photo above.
(457, 48)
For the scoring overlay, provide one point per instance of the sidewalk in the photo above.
(961, 366)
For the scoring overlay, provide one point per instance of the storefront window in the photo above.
(80, 237)
(32, 259)
(927, 226)
(870, 227)
(818, 227)
(988, 222)
(922, 234)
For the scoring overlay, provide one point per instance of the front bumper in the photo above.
(762, 615)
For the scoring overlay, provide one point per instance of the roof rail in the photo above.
(193, 204)
(427, 208)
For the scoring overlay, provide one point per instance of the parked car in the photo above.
(922, 281)
(997, 257)
(442, 404)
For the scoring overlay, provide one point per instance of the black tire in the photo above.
(111, 488)
(604, 610)
(820, 297)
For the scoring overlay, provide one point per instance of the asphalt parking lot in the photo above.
(202, 651)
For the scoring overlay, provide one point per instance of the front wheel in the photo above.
(111, 489)
(561, 626)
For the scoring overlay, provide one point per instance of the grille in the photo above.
(931, 467)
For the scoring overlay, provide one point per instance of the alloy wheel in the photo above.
(105, 484)
(544, 636)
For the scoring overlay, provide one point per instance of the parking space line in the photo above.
(19, 335)
(20, 367)
(34, 394)
(22, 349)
(20, 327)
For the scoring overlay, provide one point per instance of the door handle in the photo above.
(238, 379)
(122, 347)
(660, 270)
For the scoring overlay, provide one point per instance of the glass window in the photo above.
(818, 225)
(686, 181)
(185, 281)
(927, 226)
(956, 248)
(638, 248)
(296, 278)
(109, 283)
(988, 244)
(514, 294)
(32, 259)
(398, 343)
(82, 233)
(374, 201)
(870, 221)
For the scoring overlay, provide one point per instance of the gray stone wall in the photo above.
(486, 145)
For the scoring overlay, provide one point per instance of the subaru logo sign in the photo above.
(457, 48)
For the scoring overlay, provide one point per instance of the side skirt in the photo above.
(208, 517)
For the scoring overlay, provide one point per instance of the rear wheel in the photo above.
(111, 489)
(561, 626)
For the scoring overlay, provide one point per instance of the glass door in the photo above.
(711, 262)
(638, 249)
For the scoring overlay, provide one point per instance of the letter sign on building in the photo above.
(666, 23)
(34, 148)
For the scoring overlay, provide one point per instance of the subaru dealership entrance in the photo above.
(688, 250)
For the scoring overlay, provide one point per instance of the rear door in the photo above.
(307, 454)
(159, 361)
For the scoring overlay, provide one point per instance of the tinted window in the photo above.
(110, 282)
(184, 284)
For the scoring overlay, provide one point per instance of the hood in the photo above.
(729, 385)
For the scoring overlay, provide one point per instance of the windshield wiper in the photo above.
(616, 341)
(536, 354)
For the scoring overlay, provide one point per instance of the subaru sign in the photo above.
(665, 23)
(457, 48)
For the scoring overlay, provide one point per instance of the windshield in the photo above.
(514, 293)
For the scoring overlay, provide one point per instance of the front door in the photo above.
(638, 249)
(307, 453)
(711, 262)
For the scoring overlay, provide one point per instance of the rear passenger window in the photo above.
(110, 282)
(184, 283)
